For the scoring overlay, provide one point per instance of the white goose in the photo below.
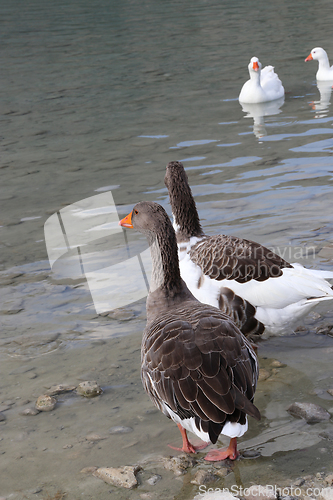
(264, 85)
(281, 292)
(325, 71)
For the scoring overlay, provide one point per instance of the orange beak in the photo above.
(309, 58)
(126, 221)
(255, 66)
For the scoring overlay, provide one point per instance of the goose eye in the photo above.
(136, 212)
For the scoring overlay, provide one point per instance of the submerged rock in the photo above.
(179, 465)
(89, 389)
(124, 477)
(311, 412)
(59, 389)
(29, 412)
(120, 429)
(154, 479)
(203, 476)
(259, 492)
(45, 403)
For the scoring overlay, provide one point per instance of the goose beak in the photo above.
(309, 58)
(126, 221)
(255, 66)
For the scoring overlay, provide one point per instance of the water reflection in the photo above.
(259, 111)
(322, 106)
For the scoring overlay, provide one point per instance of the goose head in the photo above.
(317, 54)
(255, 65)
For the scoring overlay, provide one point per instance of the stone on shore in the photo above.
(89, 389)
(310, 412)
(123, 477)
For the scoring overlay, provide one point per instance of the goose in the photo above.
(325, 71)
(281, 292)
(264, 85)
(196, 365)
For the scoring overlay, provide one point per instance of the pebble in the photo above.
(263, 374)
(215, 495)
(89, 389)
(203, 476)
(88, 470)
(324, 330)
(258, 492)
(2, 417)
(329, 480)
(251, 454)
(330, 391)
(277, 364)
(121, 314)
(94, 437)
(29, 412)
(180, 464)
(123, 477)
(45, 403)
(154, 479)
(120, 429)
(59, 389)
(311, 412)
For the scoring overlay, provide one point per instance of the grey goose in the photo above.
(196, 365)
(281, 292)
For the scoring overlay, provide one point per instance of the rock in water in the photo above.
(89, 389)
(123, 477)
(45, 403)
(311, 412)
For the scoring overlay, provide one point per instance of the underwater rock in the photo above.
(29, 412)
(45, 403)
(123, 477)
(180, 464)
(311, 412)
(89, 389)
(203, 476)
(154, 479)
(59, 389)
(120, 429)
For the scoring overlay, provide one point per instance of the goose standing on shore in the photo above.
(196, 365)
(280, 292)
(263, 86)
(325, 71)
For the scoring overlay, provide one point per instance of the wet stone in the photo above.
(121, 314)
(29, 412)
(88, 470)
(89, 389)
(310, 412)
(94, 437)
(179, 465)
(259, 492)
(263, 375)
(203, 476)
(120, 429)
(324, 330)
(251, 454)
(154, 479)
(123, 477)
(45, 403)
(330, 391)
(59, 389)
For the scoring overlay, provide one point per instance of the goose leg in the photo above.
(187, 446)
(217, 455)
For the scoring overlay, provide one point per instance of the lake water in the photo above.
(97, 97)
